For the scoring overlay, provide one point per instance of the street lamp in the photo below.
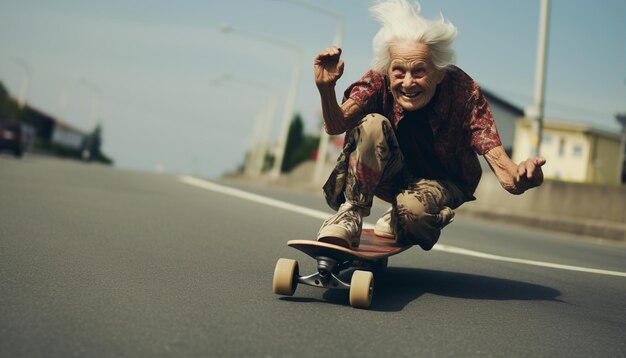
(288, 111)
(95, 99)
(21, 101)
(95, 109)
(62, 104)
(322, 149)
(263, 124)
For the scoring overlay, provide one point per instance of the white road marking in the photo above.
(200, 183)
(482, 255)
(254, 197)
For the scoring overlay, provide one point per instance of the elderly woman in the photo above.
(415, 125)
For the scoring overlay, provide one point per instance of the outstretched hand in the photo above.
(529, 173)
(328, 67)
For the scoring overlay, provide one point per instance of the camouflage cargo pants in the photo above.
(371, 164)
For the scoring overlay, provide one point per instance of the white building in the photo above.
(574, 152)
(67, 136)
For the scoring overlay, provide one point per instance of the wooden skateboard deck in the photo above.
(372, 248)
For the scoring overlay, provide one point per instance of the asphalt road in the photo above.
(99, 262)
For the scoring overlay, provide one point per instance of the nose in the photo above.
(408, 79)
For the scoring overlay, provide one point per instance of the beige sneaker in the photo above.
(383, 226)
(343, 228)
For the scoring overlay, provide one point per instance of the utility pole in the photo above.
(540, 77)
(621, 118)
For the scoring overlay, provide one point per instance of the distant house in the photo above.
(575, 152)
(51, 130)
(506, 115)
(42, 122)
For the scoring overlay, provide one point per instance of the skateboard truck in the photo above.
(361, 286)
(326, 276)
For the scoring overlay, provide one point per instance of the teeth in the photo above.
(410, 95)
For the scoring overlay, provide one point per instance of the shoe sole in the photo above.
(336, 237)
(385, 234)
(337, 241)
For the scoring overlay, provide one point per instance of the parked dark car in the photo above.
(12, 137)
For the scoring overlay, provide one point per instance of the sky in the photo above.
(152, 66)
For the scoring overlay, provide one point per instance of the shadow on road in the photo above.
(397, 287)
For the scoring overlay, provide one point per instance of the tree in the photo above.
(8, 109)
(92, 147)
(299, 146)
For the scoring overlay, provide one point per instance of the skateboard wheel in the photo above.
(361, 289)
(285, 277)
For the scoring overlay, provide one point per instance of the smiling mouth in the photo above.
(411, 94)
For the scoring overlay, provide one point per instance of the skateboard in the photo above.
(372, 255)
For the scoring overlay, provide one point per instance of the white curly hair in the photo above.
(401, 21)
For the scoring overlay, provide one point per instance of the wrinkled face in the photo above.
(412, 75)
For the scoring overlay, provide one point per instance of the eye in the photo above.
(419, 72)
(397, 72)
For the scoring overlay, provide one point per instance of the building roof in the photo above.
(572, 126)
(40, 115)
(492, 98)
(64, 125)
